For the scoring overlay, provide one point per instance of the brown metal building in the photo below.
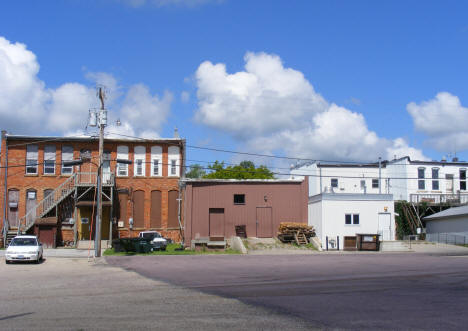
(214, 207)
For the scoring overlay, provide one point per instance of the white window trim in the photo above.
(156, 154)
(352, 219)
(122, 166)
(62, 168)
(139, 157)
(172, 156)
(34, 157)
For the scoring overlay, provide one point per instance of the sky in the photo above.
(327, 80)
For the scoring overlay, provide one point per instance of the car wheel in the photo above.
(163, 248)
(7, 262)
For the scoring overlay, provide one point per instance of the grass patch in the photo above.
(171, 250)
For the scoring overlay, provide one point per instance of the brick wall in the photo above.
(18, 179)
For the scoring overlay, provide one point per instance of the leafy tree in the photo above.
(196, 171)
(245, 170)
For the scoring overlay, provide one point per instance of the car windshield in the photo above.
(24, 242)
(151, 235)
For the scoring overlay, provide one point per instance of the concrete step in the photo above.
(394, 246)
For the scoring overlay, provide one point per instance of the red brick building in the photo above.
(41, 193)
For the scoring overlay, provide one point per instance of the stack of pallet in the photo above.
(295, 232)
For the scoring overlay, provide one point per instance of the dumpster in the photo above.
(368, 242)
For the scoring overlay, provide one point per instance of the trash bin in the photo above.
(116, 245)
(368, 242)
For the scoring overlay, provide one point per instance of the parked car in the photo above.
(24, 248)
(158, 241)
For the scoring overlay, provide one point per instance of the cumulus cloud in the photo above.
(443, 120)
(27, 106)
(273, 108)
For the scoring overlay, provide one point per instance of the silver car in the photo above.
(24, 248)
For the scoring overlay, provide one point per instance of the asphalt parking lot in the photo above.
(74, 294)
(343, 291)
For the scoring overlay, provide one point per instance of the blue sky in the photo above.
(363, 63)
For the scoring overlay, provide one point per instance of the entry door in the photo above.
(385, 226)
(13, 198)
(31, 199)
(449, 183)
(216, 222)
(264, 222)
(106, 172)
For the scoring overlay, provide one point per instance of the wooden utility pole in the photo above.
(97, 239)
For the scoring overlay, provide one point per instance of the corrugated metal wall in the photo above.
(268, 203)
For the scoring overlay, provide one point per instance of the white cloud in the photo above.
(27, 106)
(273, 108)
(185, 96)
(144, 111)
(443, 119)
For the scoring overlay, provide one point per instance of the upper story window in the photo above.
(239, 199)
(421, 176)
(435, 179)
(122, 153)
(156, 160)
(375, 183)
(334, 182)
(463, 179)
(174, 161)
(31, 159)
(67, 155)
(49, 160)
(139, 161)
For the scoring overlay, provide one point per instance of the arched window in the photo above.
(139, 161)
(138, 209)
(155, 221)
(156, 161)
(122, 153)
(173, 210)
(173, 161)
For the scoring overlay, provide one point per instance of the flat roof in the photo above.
(87, 138)
(451, 212)
(351, 197)
(239, 181)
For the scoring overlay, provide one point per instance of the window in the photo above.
(239, 199)
(174, 161)
(375, 183)
(156, 159)
(435, 179)
(173, 167)
(67, 155)
(31, 159)
(122, 153)
(352, 219)
(463, 179)
(334, 182)
(49, 160)
(140, 157)
(421, 181)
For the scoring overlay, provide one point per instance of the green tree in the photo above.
(245, 170)
(196, 171)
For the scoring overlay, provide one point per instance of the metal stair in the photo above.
(47, 204)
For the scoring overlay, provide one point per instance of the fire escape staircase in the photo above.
(45, 206)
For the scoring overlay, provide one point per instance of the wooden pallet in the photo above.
(300, 238)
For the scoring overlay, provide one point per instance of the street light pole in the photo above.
(102, 121)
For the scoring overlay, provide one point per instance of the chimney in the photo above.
(176, 133)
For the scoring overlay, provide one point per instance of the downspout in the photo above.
(179, 218)
(5, 221)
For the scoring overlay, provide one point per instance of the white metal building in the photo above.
(346, 214)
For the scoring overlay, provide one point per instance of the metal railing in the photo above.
(90, 179)
(46, 205)
(460, 198)
(454, 238)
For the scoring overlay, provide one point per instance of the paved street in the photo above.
(72, 294)
(346, 291)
